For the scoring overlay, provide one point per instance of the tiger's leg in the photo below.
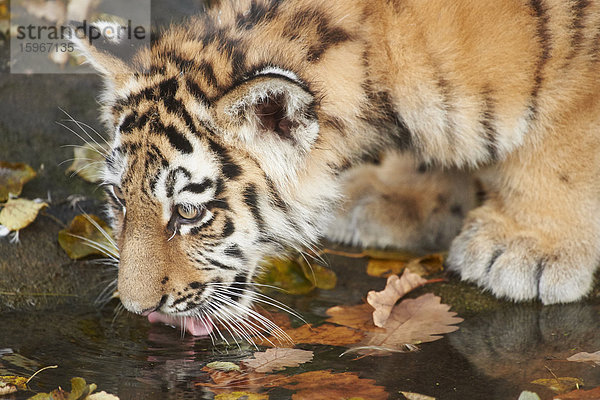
(397, 204)
(538, 233)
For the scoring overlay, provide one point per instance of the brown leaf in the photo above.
(427, 265)
(560, 385)
(395, 288)
(324, 334)
(222, 381)
(357, 317)
(277, 359)
(19, 213)
(586, 357)
(411, 322)
(325, 385)
(580, 394)
(12, 178)
(84, 237)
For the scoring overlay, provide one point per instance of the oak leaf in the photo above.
(326, 334)
(19, 213)
(357, 317)
(395, 288)
(325, 385)
(586, 357)
(12, 178)
(278, 359)
(411, 322)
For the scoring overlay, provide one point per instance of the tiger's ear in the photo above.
(269, 110)
(108, 52)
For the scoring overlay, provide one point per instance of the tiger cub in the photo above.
(232, 132)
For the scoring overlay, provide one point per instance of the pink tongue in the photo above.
(194, 326)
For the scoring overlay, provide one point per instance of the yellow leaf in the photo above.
(285, 274)
(321, 277)
(381, 268)
(11, 384)
(560, 385)
(18, 213)
(12, 178)
(427, 265)
(87, 235)
(88, 162)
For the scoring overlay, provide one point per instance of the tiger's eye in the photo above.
(187, 212)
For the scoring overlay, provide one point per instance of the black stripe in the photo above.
(217, 204)
(488, 122)
(229, 168)
(382, 115)
(195, 91)
(127, 124)
(257, 14)
(207, 71)
(198, 187)
(238, 286)
(250, 198)
(234, 251)
(220, 265)
(276, 196)
(228, 228)
(544, 39)
(328, 35)
(178, 140)
(577, 25)
(172, 177)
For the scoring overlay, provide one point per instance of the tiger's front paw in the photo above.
(522, 264)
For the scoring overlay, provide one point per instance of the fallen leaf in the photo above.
(222, 381)
(88, 162)
(580, 394)
(18, 213)
(526, 395)
(382, 268)
(10, 384)
(427, 265)
(241, 396)
(286, 274)
(12, 178)
(223, 366)
(321, 277)
(325, 385)
(411, 322)
(80, 390)
(277, 359)
(326, 334)
(586, 357)
(357, 317)
(87, 235)
(416, 396)
(395, 288)
(560, 385)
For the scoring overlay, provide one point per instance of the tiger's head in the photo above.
(219, 157)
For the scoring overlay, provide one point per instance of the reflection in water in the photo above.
(526, 342)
